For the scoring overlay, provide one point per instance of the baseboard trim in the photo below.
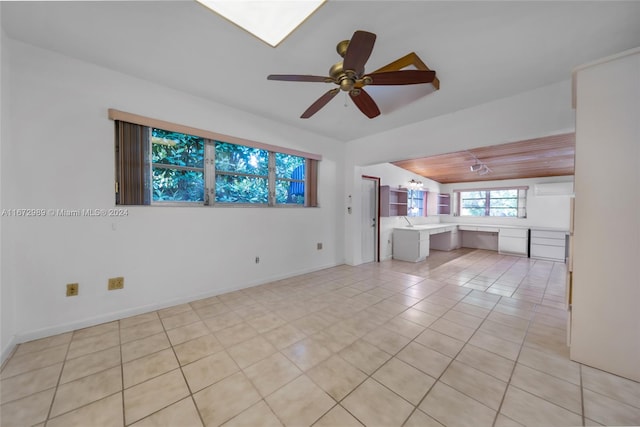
(8, 351)
(113, 316)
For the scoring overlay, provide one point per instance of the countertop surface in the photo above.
(424, 226)
(561, 230)
(444, 225)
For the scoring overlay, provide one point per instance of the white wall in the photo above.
(394, 176)
(537, 113)
(548, 211)
(7, 308)
(59, 154)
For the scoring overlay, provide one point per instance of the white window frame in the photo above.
(210, 138)
(521, 207)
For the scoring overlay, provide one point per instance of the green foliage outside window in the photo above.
(241, 189)
(504, 203)
(241, 172)
(489, 203)
(178, 166)
(241, 159)
(473, 203)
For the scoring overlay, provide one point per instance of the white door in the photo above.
(369, 219)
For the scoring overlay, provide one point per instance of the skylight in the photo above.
(269, 20)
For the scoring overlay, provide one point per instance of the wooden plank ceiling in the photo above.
(532, 158)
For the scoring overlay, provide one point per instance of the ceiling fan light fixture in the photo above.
(269, 20)
(349, 75)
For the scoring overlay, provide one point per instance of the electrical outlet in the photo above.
(319, 246)
(257, 260)
(72, 289)
(115, 283)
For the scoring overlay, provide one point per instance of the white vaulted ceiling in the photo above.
(481, 51)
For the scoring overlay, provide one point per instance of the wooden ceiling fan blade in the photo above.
(320, 102)
(365, 103)
(402, 77)
(298, 78)
(359, 51)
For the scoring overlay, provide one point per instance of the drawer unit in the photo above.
(513, 241)
(548, 242)
(551, 253)
(548, 245)
(546, 234)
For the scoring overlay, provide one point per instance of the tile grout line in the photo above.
(582, 395)
(55, 393)
(184, 377)
(416, 407)
(515, 365)
(164, 331)
(124, 418)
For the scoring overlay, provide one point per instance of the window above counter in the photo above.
(493, 202)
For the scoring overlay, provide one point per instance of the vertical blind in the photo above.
(133, 169)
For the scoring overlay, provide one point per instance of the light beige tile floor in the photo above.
(468, 337)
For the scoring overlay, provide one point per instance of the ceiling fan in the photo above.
(350, 76)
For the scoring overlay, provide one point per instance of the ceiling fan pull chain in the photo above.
(346, 104)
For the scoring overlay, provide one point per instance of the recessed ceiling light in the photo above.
(269, 20)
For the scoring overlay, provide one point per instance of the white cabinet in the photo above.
(513, 241)
(605, 320)
(410, 244)
(548, 245)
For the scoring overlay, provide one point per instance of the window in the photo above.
(159, 166)
(242, 174)
(290, 179)
(416, 203)
(502, 202)
(177, 167)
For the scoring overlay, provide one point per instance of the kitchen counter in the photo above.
(412, 243)
(443, 227)
(435, 227)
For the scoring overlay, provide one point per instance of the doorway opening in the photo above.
(370, 219)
